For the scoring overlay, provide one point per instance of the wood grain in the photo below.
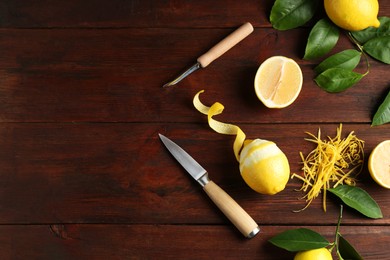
(83, 174)
(80, 76)
(77, 241)
(97, 173)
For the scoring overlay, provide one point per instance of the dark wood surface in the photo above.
(83, 174)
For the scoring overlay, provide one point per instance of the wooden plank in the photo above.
(82, 172)
(146, 13)
(99, 76)
(121, 173)
(120, 13)
(76, 241)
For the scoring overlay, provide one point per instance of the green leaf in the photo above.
(337, 79)
(347, 59)
(347, 251)
(382, 115)
(358, 199)
(379, 48)
(299, 239)
(289, 14)
(371, 32)
(322, 38)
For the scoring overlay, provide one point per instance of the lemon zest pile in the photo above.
(219, 127)
(333, 162)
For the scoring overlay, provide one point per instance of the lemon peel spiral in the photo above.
(218, 126)
(263, 166)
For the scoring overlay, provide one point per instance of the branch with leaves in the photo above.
(336, 73)
(303, 239)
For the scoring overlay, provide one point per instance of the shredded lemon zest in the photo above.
(335, 161)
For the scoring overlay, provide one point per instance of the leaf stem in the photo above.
(360, 47)
(337, 235)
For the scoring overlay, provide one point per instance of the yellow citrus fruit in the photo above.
(353, 15)
(264, 167)
(314, 254)
(278, 82)
(379, 164)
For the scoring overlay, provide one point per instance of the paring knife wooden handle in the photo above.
(215, 52)
(224, 45)
(244, 223)
(237, 215)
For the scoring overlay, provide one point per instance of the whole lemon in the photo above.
(353, 15)
(264, 167)
(314, 254)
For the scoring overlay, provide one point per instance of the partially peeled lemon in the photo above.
(263, 166)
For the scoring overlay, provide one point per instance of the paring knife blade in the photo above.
(237, 215)
(215, 52)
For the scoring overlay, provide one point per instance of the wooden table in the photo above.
(83, 174)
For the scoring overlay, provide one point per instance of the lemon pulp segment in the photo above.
(379, 164)
(278, 82)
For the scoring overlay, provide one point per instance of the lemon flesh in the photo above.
(379, 164)
(317, 254)
(264, 167)
(278, 82)
(353, 15)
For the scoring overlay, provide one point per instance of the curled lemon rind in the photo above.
(220, 127)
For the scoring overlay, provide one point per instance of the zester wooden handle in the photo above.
(237, 215)
(225, 45)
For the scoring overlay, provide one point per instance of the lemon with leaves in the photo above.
(353, 15)
(314, 254)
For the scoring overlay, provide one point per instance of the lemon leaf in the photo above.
(358, 199)
(379, 48)
(337, 79)
(382, 115)
(347, 59)
(371, 32)
(347, 251)
(289, 14)
(300, 239)
(322, 38)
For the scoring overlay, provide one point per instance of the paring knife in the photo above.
(237, 215)
(216, 51)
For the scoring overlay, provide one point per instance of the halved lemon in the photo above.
(379, 164)
(278, 82)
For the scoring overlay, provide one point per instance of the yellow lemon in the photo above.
(353, 15)
(314, 254)
(278, 82)
(379, 164)
(264, 167)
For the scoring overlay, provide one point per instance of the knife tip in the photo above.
(167, 85)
